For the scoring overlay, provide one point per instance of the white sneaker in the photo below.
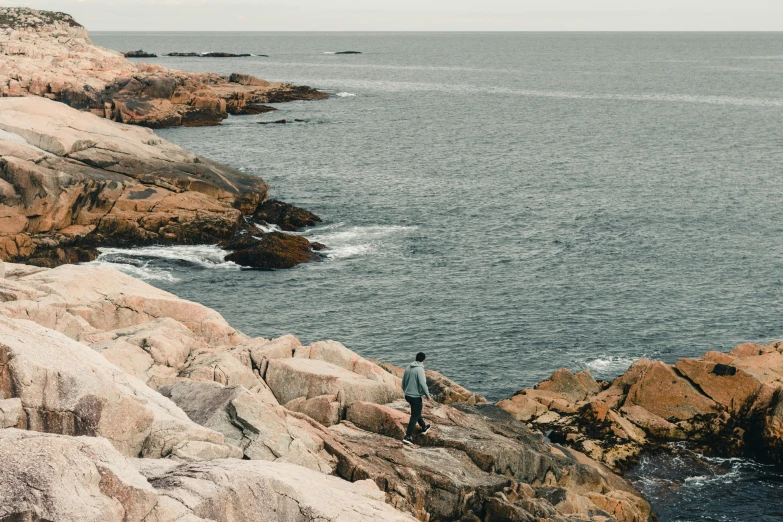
(407, 441)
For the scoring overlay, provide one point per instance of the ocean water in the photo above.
(509, 203)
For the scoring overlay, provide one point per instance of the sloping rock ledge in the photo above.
(71, 181)
(121, 402)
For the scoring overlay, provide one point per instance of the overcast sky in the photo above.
(420, 15)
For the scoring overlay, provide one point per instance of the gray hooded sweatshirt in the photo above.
(414, 383)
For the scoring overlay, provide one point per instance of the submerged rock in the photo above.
(284, 215)
(348, 52)
(272, 251)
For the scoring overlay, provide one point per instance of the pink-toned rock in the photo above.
(299, 377)
(323, 408)
(718, 357)
(651, 423)
(522, 407)
(262, 351)
(378, 419)
(727, 385)
(54, 58)
(65, 387)
(568, 385)
(662, 392)
(748, 349)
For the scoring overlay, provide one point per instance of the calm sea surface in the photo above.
(512, 203)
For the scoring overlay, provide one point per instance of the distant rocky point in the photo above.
(104, 82)
(348, 52)
(139, 54)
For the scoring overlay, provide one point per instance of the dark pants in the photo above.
(416, 406)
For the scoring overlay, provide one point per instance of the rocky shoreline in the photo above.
(73, 179)
(146, 407)
(723, 404)
(50, 55)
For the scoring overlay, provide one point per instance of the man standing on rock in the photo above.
(414, 386)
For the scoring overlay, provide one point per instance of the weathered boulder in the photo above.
(727, 404)
(262, 430)
(84, 479)
(727, 385)
(262, 351)
(297, 377)
(325, 409)
(83, 300)
(67, 388)
(70, 479)
(470, 460)
(574, 388)
(11, 414)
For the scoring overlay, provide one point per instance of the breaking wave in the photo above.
(161, 263)
(610, 366)
(352, 241)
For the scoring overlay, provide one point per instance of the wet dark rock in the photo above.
(225, 55)
(252, 109)
(286, 216)
(281, 122)
(139, 54)
(274, 250)
(348, 52)
(210, 55)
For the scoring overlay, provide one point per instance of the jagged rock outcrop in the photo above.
(70, 181)
(75, 338)
(727, 404)
(49, 54)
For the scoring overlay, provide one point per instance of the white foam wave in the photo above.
(329, 52)
(206, 256)
(144, 272)
(610, 366)
(345, 242)
(345, 94)
(269, 228)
